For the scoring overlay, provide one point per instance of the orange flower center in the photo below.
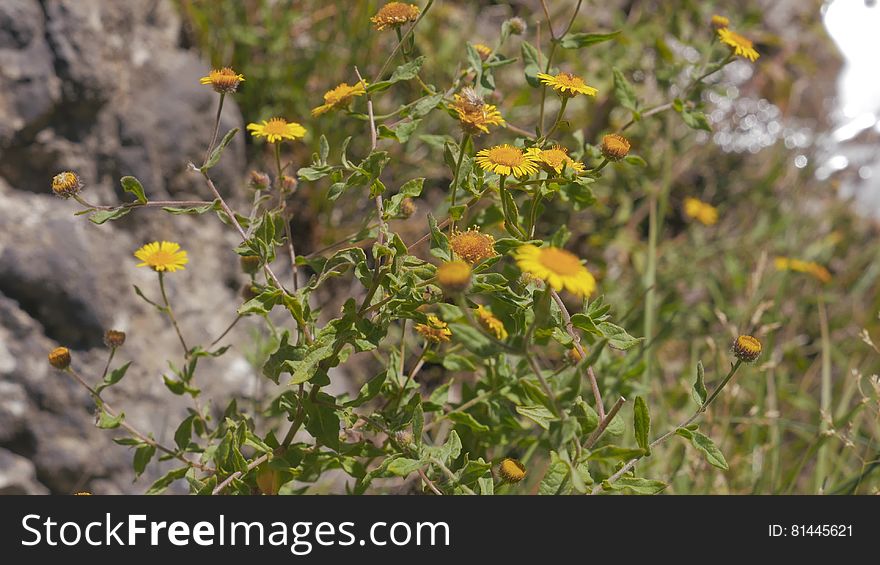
(276, 126)
(507, 155)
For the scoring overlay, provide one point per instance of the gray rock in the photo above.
(17, 475)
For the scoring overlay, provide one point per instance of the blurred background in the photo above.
(792, 163)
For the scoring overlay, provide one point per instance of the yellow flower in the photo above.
(557, 267)
(719, 22)
(277, 129)
(395, 14)
(506, 160)
(339, 97)
(704, 213)
(741, 46)
(223, 81)
(567, 84)
(66, 184)
(60, 358)
(436, 330)
(454, 276)
(164, 256)
(574, 356)
(472, 245)
(746, 348)
(511, 470)
(556, 158)
(475, 115)
(809, 267)
(482, 50)
(490, 323)
(615, 147)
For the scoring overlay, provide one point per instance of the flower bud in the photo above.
(259, 180)
(511, 470)
(66, 184)
(454, 276)
(114, 338)
(615, 147)
(746, 348)
(60, 358)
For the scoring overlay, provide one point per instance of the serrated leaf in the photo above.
(402, 466)
(695, 119)
(557, 472)
(466, 419)
(624, 92)
(637, 485)
(617, 337)
(165, 481)
(538, 414)
(108, 422)
(102, 216)
(323, 424)
(705, 444)
(700, 384)
(133, 186)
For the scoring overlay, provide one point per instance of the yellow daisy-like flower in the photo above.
(436, 330)
(66, 184)
(556, 159)
(162, 256)
(507, 160)
(276, 130)
(454, 276)
(704, 213)
(719, 22)
(812, 268)
(567, 84)
(490, 323)
(223, 81)
(557, 267)
(475, 115)
(395, 14)
(339, 97)
(472, 245)
(483, 50)
(747, 348)
(741, 46)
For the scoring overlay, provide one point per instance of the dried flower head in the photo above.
(511, 470)
(490, 323)
(719, 22)
(223, 81)
(276, 130)
(66, 184)
(114, 338)
(258, 180)
(407, 208)
(557, 267)
(556, 159)
(395, 14)
(566, 84)
(507, 160)
(454, 276)
(60, 358)
(615, 147)
(435, 330)
(740, 45)
(472, 245)
(518, 26)
(339, 97)
(288, 184)
(701, 211)
(474, 114)
(162, 256)
(746, 348)
(250, 264)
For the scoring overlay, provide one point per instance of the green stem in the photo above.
(556, 123)
(454, 188)
(822, 460)
(170, 312)
(216, 127)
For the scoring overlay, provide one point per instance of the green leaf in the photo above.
(262, 303)
(615, 453)
(184, 432)
(102, 216)
(642, 424)
(402, 466)
(467, 420)
(487, 486)
(114, 377)
(193, 210)
(142, 457)
(556, 474)
(215, 154)
(578, 40)
(636, 484)
(448, 451)
(586, 415)
(439, 241)
(700, 391)
(323, 424)
(369, 390)
(455, 362)
(406, 71)
(705, 444)
(695, 119)
(165, 481)
(533, 66)
(617, 337)
(538, 414)
(624, 92)
(108, 422)
(133, 186)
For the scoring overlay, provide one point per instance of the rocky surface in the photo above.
(102, 88)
